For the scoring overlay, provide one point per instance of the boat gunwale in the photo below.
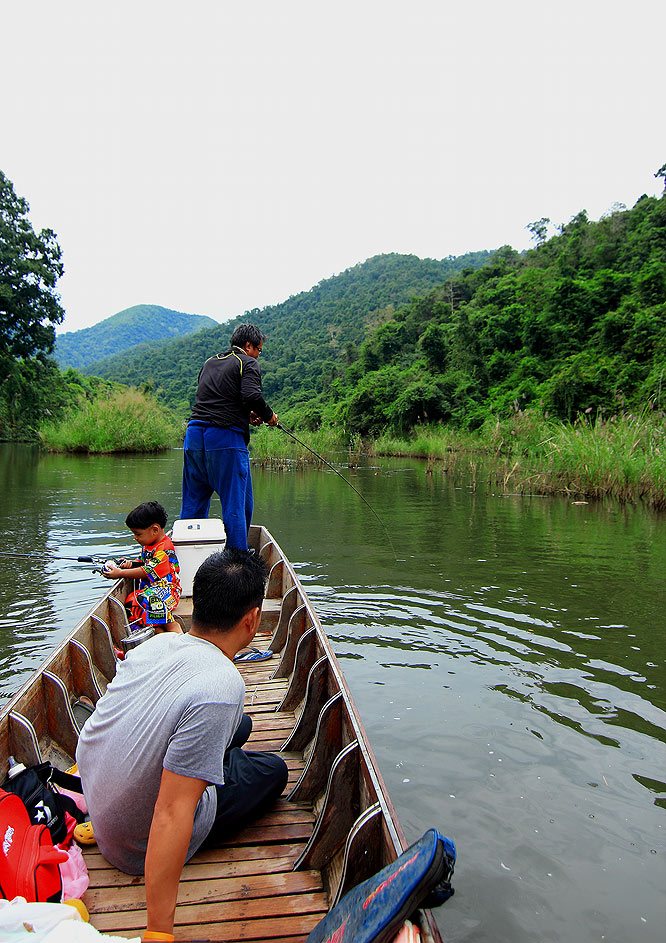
(390, 817)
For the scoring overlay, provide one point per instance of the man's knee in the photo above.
(279, 771)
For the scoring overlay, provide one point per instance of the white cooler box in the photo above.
(195, 540)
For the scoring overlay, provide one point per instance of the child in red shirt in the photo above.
(157, 571)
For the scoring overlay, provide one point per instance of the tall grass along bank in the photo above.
(126, 421)
(623, 457)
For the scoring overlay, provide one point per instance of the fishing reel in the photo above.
(105, 566)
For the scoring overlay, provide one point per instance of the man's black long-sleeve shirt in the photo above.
(229, 388)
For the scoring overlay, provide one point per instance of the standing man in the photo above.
(159, 758)
(216, 455)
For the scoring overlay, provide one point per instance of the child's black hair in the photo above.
(145, 515)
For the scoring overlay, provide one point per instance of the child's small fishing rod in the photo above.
(323, 460)
(52, 556)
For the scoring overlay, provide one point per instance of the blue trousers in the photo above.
(218, 460)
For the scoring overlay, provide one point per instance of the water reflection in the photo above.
(509, 665)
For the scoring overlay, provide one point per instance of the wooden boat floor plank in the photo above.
(280, 930)
(110, 877)
(219, 856)
(216, 912)
(209, 891)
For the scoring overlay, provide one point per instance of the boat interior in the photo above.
(333, 827)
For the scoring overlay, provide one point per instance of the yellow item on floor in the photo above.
(84, 834)
(80, 907)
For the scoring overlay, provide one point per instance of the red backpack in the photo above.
(28, 860)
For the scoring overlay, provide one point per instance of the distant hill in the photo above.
(138, 325)
(311, 337)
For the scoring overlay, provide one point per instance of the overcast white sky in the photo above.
(217, 156)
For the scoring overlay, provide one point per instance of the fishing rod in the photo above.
(322, 459)
(29, 556)
(51, 556)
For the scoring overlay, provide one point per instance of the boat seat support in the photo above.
(327, 744)
(338, 813)
(290, 600)
(361, 857)
(303, 662)
(299, 623)
(59, 717)
(315, 698)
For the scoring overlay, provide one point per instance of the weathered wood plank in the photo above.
(211, 891)
(111, 877)
(225, 855)
(204, 915)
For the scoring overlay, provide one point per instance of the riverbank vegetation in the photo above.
(623, 457)
(127, 420)
(549, 365)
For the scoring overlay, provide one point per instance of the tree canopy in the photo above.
(576, 324)
(30, 266)
(31, 387)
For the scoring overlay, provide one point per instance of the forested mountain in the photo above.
(140, 324)
(576, 324)
(312, 336)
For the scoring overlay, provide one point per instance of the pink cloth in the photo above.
(73, 872)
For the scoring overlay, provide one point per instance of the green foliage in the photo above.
(312, 338)
(136, 328)
(623, 457)
(125, 421)
(30, 266)
(579, 323)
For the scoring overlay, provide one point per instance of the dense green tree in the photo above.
(30, 266)
(577, 324)
(31, 387)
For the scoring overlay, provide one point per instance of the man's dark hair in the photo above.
(245, 333)
(145, 515)
(226, 586)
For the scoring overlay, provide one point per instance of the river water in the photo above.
(507, 656)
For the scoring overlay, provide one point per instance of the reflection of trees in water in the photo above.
(70, 505)
(26, 605)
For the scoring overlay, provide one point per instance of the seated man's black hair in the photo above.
(226, 586)
(145, 515)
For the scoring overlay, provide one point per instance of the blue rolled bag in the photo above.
(374, 911)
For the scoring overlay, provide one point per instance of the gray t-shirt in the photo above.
(175, 703)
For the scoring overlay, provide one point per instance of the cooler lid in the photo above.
(198, 531)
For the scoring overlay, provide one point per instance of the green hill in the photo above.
(311, 337)
(139, 325)
(577, 324)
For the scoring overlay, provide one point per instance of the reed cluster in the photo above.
(622, 457)
(271, 445)
(125, 421)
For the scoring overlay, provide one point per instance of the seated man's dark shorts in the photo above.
(252, 783)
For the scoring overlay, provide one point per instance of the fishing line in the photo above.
(322, 459)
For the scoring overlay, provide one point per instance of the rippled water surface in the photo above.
(507, 656)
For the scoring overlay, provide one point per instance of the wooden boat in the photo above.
(334, 826)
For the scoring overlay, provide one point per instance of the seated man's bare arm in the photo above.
(169, 839)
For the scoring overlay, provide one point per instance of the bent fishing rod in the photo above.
(328, 464)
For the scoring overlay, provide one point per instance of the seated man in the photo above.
(159, 758)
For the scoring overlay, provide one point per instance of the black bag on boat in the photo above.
(374, 911)
(36, 786)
